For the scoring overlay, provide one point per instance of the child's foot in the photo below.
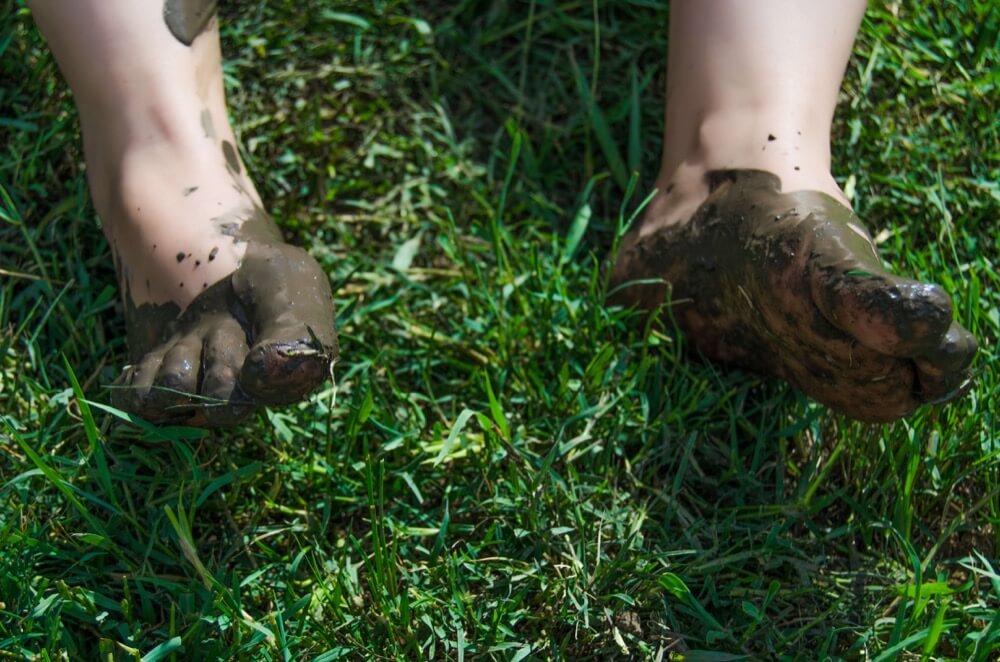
(222, 315)
(790, 284)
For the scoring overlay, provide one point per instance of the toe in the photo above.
(159, 388)
(280, 369)
(131, 389)
(894, 316)
(224, 352)
(954, 352)
(865, 385)
(291, 309)
(943, 374)
(170, 396)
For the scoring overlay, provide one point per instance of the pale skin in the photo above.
(222, 315)
(741, 71)
(752, 86)
(142, 97)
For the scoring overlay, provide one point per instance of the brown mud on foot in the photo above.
(264, 335)
(790, 285)
(186, 19)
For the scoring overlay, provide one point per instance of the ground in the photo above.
(506, 468)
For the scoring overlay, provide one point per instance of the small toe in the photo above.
(894, 316)
(875, 389)
(224, 403)
(132, 388)
(170, 395)
(935, 387)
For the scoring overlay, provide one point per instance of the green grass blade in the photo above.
(60, 484)
(599, 124)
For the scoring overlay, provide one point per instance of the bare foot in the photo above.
(222, 315)
(790, 285)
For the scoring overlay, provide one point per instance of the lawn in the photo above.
(506, 468)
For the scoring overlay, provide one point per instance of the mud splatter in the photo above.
(186, 19)
(248, 223)
(232, 158)
(207, 125)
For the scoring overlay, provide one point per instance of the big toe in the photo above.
(943, 373)
(284, 366)
(291, 310)
(893, 316)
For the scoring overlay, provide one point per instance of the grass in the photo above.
(506, 469)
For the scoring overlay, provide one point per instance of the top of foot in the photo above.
(222, 315)
(791, 285)
(263, 335)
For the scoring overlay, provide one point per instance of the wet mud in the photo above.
(186, 19)
(207, 125)
(264, 335)
(232, 159)
(791, 285)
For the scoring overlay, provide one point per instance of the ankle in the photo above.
(114, 123)
(158, 199)
(752, 138)
(756, 137)
(162, 206)
(169, 155)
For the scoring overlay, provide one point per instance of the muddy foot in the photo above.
(791, 285)
(263, 335)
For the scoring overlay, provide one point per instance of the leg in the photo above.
(221, 313)
(767, 265)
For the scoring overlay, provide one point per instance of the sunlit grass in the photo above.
(506, 468)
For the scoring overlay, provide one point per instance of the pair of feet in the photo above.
(223, 316)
